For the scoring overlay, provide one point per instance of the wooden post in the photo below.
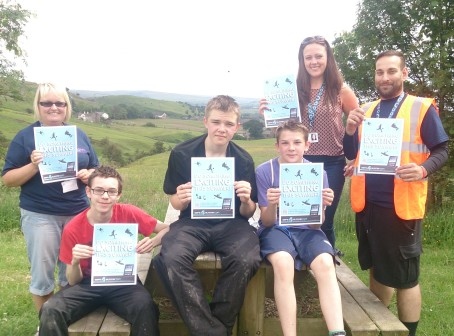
(250, 320)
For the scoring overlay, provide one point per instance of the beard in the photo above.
(389, 91)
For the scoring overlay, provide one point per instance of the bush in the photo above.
(149, 124)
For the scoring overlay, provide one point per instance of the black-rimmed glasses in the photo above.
(101, 192)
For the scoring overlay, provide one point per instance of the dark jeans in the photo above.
(334, 167)
(131, 302)
(237, 244)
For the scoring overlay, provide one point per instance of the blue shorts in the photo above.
(43, 235)
(304, 245)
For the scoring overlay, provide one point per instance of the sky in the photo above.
(200, 47)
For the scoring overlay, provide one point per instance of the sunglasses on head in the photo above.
(312, 39)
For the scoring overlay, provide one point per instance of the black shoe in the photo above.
(338, 253)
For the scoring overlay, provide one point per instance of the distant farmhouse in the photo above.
(94, 117)
(162, 116)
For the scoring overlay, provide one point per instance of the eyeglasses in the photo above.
(101, 192)
(49, 104)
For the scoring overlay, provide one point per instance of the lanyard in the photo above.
(393, 110)
(312, 107)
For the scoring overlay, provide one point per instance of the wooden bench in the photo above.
(364, 314)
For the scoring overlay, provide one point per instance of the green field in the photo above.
(143, 187)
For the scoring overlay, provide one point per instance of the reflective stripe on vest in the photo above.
(409, 197)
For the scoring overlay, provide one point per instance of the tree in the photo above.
(424, 32)
(12, 21)
(254, 128)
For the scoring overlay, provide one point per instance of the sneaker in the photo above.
(338, 253)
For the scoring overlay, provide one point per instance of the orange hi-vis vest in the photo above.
(409, 197)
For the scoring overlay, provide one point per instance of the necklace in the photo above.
(393, 110)
(312, 107)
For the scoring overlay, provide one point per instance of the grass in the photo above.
(143, 187)
(18, 316)
(436, 285)
(437, 263)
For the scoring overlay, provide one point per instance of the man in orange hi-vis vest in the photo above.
(389, 208)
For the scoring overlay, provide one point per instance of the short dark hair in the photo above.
(106, 172)
(293, 126)
(388, 53)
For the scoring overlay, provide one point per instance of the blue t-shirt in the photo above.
(269, 178)
(49, 198)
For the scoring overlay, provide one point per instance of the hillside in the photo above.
(122, 139)
(175, 97)
(134, 104)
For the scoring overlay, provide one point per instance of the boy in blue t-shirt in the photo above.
(289, 247)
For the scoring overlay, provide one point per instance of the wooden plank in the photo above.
(250, 319)
(88, 325)
(171, 214)
(386, 321)
(113, 325)
(178, 328)
(356, 321)
(143, 264)
(312, 326)
(207, 260)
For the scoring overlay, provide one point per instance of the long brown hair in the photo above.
(332, 76)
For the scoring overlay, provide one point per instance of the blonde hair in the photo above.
(45, 88)
(223, 103)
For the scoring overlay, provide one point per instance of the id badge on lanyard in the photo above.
(311, 109)
(313, 137)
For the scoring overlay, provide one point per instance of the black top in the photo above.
(179, 169)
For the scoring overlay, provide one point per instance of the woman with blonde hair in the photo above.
(46, 208)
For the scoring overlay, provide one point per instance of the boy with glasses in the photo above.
(131, 302)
